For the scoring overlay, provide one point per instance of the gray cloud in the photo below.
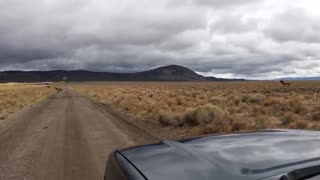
(222, 3)
(294, 25)
(218, 37)
(232, 24)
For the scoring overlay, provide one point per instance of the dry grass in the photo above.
(214, 107)
(13, 97)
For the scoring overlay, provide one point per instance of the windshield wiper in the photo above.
(302, 174)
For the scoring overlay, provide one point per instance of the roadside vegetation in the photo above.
(14, 97)
(202, 108)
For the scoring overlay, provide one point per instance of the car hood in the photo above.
(235, 156)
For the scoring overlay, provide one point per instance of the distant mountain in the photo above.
(299, 78)
(166, 73)
(170, 73)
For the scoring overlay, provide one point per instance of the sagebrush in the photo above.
(215, 107)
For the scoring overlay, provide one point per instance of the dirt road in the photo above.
(66, 136)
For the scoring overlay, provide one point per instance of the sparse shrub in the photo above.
(171, 102)
(202, 97)
(297, 106)
(256, 110)
(236, 100)
(308, 97)
(217, 100)
(316, 116)
(272, 101)
(213, 128)
(283, 107)
(261, 122)
(237, 123)
(301, 124)
(273, 122)
(205, 114)
(117, 100)
(168, 118)
(164, 108)
(180, 101)
(201, 102)
(254, 98)
(268, 110)
(290, 118)
(243, 107)
(12, 102)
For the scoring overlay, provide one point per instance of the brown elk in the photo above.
(58, 89)
(284, 83)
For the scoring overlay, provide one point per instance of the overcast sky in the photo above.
(257, 39)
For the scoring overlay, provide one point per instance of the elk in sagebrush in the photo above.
(284, 83)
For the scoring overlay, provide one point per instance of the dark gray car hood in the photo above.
(237, 156)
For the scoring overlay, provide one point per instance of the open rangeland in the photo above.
(183, 109)
(14, 96)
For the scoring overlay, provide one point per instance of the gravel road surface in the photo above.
(66, 136)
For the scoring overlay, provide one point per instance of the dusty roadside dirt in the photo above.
(66, 136)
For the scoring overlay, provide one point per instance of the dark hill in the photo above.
(171, 73)
(166, 73)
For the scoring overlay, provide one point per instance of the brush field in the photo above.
(203, 108)
(14, 97)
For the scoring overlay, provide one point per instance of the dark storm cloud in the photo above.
(58, 30)
(216, 37)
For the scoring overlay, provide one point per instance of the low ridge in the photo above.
(165, 73)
